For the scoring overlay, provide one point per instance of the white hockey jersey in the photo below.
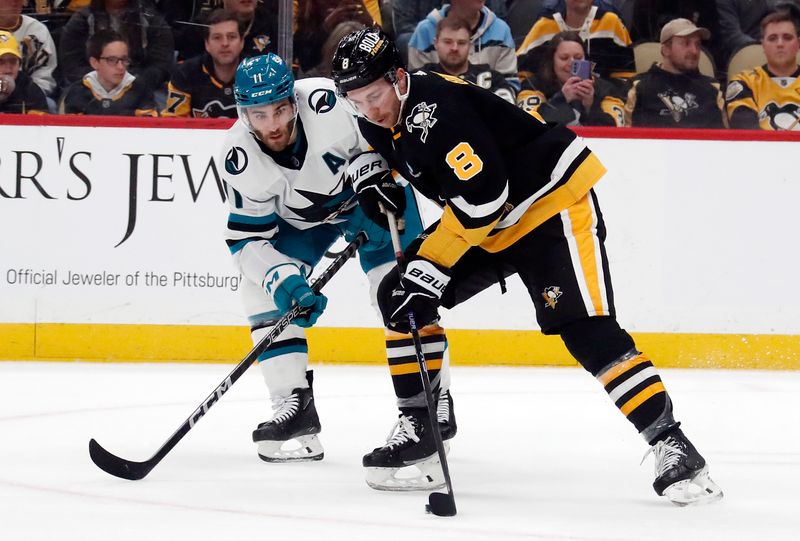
(262, 194)
(39, 58)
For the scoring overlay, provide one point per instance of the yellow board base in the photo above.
(184, 343)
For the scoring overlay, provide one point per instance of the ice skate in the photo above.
(291, 434)
(408, 461)
(446, 417)
(681, 473)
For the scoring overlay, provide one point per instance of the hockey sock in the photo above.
(404, 368)
(633, 384)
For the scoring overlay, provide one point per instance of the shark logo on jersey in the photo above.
(551, 295)
(236, 160)
(322, 100)
(421, 117)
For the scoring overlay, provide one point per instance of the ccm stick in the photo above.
(439, 504)
(128, 469)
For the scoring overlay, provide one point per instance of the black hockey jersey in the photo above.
(27, 97)
(194, 91)
(497, 171)
(483, 76)
(660, 99)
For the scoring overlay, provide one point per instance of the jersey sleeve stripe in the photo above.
(481, 210)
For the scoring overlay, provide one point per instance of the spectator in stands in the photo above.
(453, 45)
(740, 23)
(203, 86)
(674, 94)
(316, 20)
(185, 19)
(110, 89)
(144, 30)
(559, 96)
(768, 97)
(407, 14)
(323, 69)
(54, 13)
(649, 16)
(38, 49)
(18, 93)
(260, 23)
(490, 40)
(608, 42)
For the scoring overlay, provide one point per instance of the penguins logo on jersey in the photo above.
(678, 106)
(236, 160)
(421, 117)
(782, 117)
(551, 295)
(322, 100)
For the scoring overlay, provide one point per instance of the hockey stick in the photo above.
(128, 469)
(441, 505)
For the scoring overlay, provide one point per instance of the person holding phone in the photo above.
(567, 91)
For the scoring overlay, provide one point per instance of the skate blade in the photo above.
(699, 490)
(300, 449)
(424, 475)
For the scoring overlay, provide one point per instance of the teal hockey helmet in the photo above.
(262, 80)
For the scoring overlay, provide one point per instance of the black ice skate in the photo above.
(681, 473)
(409, 460)
(291, 434)
(446, 416)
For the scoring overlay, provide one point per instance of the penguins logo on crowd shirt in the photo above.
(236, 160)
(421, 117)
(551, 295)
(322, 100)
(678, 106)
(782, 117)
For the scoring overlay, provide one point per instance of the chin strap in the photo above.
(402, 97)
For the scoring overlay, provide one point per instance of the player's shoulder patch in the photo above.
(422, 118)
(236, 160)
(735, 88)
(321, 100)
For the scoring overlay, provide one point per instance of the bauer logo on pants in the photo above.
(551, 295)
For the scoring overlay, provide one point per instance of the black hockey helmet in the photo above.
(362, 57)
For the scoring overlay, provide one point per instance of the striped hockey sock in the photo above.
(404, 368)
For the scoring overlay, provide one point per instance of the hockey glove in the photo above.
(295, 290)
(420, 291)
(374, 185)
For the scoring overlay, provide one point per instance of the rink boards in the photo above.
(113, 250)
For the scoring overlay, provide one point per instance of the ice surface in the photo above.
(541, 454)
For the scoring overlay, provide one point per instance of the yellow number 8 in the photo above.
(464, 162)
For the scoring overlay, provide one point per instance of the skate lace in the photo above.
(402, 431)
(285, 408)
(667, 455)
(443, 409)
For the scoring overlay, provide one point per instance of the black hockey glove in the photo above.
(374, 185)
(419, 291)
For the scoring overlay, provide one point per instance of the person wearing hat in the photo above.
(673, 93)
(18, 92)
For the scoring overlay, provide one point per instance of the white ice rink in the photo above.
(541, 454)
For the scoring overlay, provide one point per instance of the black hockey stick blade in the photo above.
(116, 466)
(441, 505)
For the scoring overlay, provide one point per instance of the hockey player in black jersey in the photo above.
(517, 197)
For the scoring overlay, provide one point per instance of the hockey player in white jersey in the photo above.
(290, 199)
